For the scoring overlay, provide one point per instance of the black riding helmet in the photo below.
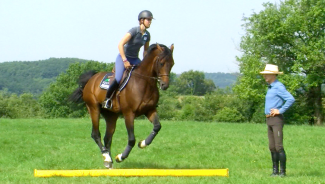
(145, 14)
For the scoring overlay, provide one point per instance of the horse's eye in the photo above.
(162, 64)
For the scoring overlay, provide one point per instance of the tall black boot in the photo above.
(283, 160)
(108, 102)
(275, 161)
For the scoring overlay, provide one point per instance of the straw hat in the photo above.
(271, 69)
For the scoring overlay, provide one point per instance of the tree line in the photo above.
(290, 35)
(53, 102)
(182, 101)
(35, 76)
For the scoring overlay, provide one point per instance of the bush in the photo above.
(187, 112)
(192, 108)
(23, 106)
(259, 114)
(228, 115)
(167, 109)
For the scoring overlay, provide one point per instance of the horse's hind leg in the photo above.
(95, 134)
(110, 119)
(153, 118)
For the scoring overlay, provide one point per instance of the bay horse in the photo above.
(139, 97)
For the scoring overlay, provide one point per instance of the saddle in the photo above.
(108, 78)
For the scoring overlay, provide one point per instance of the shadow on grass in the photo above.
(143, 165)
(307, 173)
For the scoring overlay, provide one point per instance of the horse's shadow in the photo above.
(142, 165)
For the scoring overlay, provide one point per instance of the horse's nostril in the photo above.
(164, 86)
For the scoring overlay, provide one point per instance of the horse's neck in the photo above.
(145, 72)
(144, 77)
(146, 67)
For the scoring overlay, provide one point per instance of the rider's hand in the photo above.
(126, 64)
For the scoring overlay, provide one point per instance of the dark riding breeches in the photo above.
(275, 133)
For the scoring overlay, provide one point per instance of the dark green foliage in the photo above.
(257, 115)
(202, 108)
(167, 105)
(23, 106)
(228, 115)
(291, 35)
(56, 87)
(193, 83)
(55, 101)
(193, 109)
(32, 76)
(246, 103)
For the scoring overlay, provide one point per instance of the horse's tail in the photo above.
(76, 95)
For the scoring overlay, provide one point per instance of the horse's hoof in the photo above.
(142, 144)
(108, 163)
(118, 158)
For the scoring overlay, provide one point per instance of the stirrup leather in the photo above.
(107, 104)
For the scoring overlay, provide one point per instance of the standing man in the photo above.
(277, 101)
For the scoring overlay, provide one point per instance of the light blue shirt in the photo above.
(277, 97)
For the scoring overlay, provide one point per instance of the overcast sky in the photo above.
(206, 33)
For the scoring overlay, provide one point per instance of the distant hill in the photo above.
(32, 76)
(222, 80)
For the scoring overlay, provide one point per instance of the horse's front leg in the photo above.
(153, 118)
(129, 123)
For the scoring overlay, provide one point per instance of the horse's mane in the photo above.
(152, 47)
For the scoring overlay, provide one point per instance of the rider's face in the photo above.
(147, 22)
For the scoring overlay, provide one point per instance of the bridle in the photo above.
(157, 62)
(159, 76)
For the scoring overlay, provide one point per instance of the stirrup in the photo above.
(107, 104)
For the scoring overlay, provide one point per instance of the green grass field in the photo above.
(28, 144)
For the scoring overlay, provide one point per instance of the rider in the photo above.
(129, 48)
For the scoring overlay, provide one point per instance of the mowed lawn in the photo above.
(28, 144)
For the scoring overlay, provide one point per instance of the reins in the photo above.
(157, 71)
(144, 76)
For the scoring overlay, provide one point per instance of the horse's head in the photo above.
(163, 64)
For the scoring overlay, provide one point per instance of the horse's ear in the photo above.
(158, 46)
(172, 47)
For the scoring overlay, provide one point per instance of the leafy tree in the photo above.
(193, 83)
(292, 36)
(250, 86)
(54, 99)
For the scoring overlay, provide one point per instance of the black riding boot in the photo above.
(275, 161)
(283, 160)
(108, 102)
